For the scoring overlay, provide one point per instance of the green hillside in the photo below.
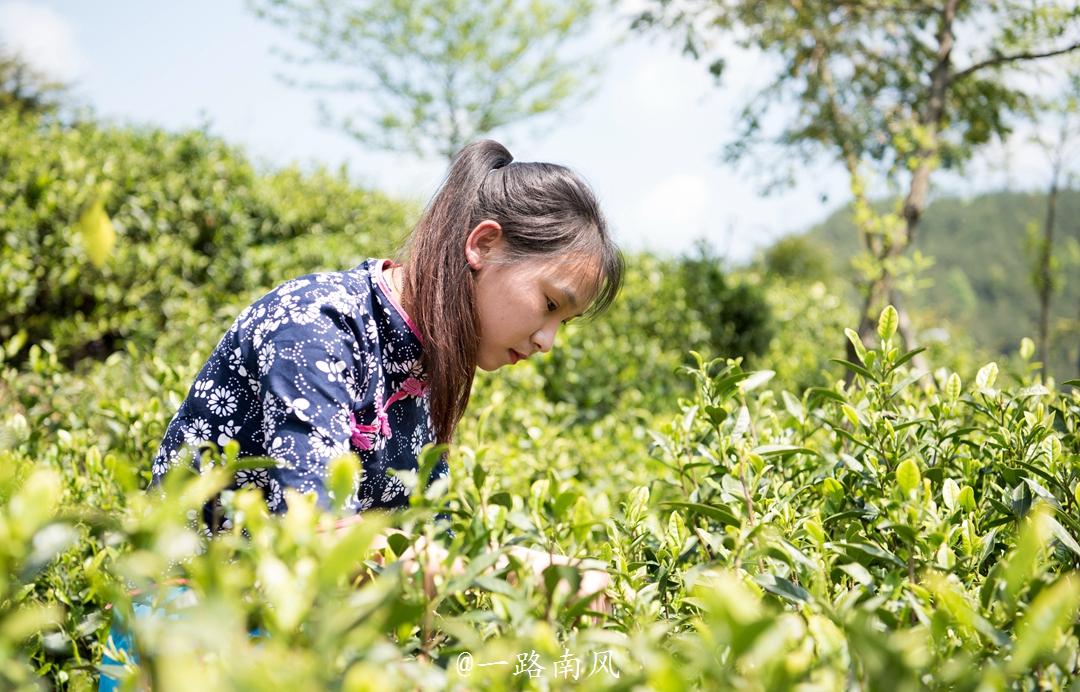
(980, 282)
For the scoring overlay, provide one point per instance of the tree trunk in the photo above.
(931, 117)
(1044, 279)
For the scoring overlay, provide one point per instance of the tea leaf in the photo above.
(950, 493)
(1062, 535)
(719, 514)
(783, 588)
(756, 379)
(870, 377)
(793, 406)
(767, 451)
(966, 498)
(1049, 614)
(97, 232)
(986, 376)
(953, 387)
(851, 414)
(908, 476)
(856, 342)
(887, 322)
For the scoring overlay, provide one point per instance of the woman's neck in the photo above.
(394, 277)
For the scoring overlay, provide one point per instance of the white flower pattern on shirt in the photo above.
(290, 376)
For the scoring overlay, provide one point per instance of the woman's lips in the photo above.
(515, 356)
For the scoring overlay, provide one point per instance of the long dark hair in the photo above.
(544, 210)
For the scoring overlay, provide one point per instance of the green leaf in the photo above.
(887, 322)
(479, 475)
(429, 458)
(953, 387)
(859, 573)
(856, 343)
(906, 357)
(341, 478)
(966, 498)
(399, 543)
(832, 489)
(553, 574)
(794, 406)
(717, 513)
(1063, 535)
(908, 476)
(49, 541)
(824, 393)
(986, 376)
(855, 368)
(767, 451)
(496, 585)
(756, 379)
(783, 588)
(1050, 613)
(904, 383)
(945, 557)
(950, 493)
(1071, 383)
(868, 551)
(97, 232)
(350, 545)
(563, 502)
(1026, 560)
(728, 383)
(716, 414)
(851, 414)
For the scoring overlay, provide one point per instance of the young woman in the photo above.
(379, 360)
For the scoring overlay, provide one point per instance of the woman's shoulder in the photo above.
(344, 290)
(313, 302)
(358, 280)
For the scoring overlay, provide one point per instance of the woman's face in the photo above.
(522, 303)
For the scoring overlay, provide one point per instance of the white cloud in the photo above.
(671, 214)
(42, 36)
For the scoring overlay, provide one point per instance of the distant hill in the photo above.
(981, 278)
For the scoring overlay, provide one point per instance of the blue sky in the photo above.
(648, 140)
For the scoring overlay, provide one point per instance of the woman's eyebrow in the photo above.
(568, 296)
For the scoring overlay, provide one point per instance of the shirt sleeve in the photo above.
(308, 371)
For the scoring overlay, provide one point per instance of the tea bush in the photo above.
(908, 530)
(188, 211)
(763, 528)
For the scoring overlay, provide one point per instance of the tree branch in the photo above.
(1002, 59)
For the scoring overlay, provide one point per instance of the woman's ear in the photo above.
(484, 242)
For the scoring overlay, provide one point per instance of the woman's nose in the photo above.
(545, 337)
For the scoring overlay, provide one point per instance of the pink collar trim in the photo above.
(392, 297)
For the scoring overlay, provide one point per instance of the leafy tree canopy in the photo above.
(432, 75)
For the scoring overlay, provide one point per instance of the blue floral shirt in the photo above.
(322, 365)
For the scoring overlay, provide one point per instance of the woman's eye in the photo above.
(551, 306)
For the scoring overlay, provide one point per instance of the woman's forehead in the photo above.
(576, 273)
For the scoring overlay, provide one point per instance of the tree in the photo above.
(436, 74)
(26, 90)
(1059, 150)
(892, 88)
